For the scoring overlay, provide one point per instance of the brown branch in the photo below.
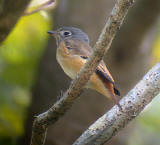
(10, 12)
(42, 121)
(132, 104)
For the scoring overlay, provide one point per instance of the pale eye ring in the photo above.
(66, 33)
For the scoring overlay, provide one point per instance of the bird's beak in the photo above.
(53, 33)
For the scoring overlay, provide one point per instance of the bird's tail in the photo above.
(113, 93)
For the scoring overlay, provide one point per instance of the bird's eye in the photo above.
(67, 33)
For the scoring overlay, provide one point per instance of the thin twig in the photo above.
(132, 104)
(40, 7)
(114, 22)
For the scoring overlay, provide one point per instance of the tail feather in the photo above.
(105, 78)
(111, 90)
(116, 91)
(110, 86)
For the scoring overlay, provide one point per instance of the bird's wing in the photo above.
(83, 50)
(105, 75)
(77, 47)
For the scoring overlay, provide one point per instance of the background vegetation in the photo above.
(20, 56)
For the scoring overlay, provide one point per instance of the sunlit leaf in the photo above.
(19, 58)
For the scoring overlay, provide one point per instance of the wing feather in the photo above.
(84, 51)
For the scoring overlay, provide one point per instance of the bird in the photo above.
(73, 50)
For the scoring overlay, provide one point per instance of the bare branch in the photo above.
(42, 6)
(132, 104)
(114, 22)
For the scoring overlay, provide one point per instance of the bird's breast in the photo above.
(71, 65)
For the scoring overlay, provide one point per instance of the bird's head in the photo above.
(69, 33)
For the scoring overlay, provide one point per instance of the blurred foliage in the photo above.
(147, 125)
(19, 58)
(156, 47)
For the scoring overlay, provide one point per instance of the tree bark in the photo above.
(51, 79)
(132, 104)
